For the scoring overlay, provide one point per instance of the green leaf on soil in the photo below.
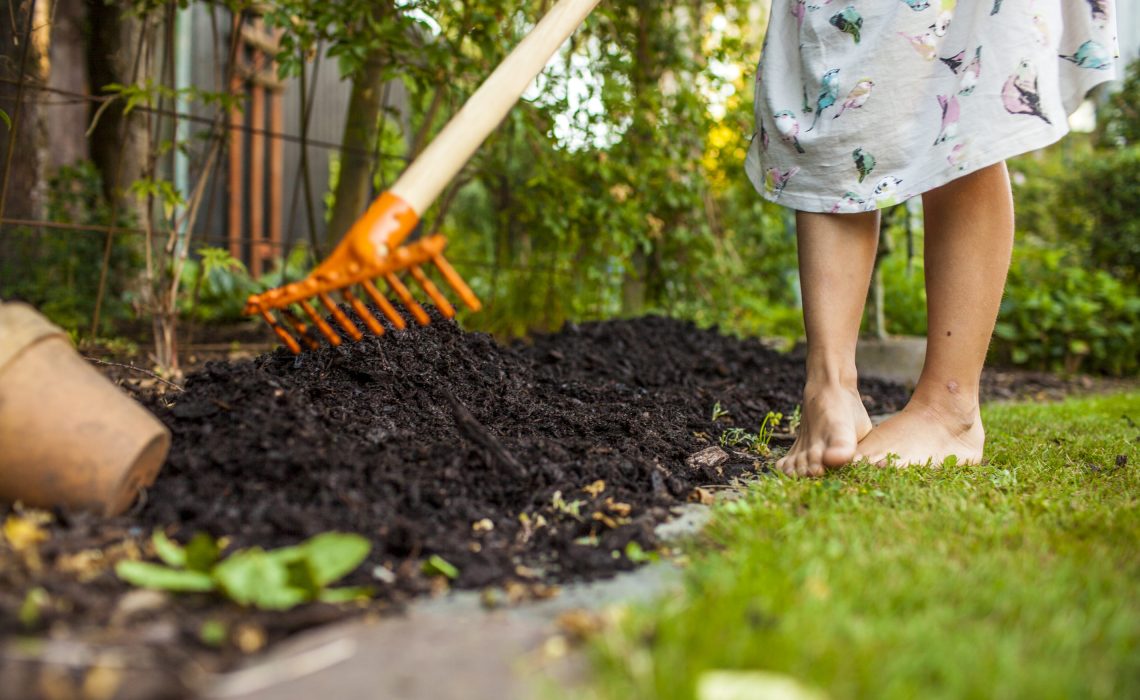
(252, 577)
(6, 119)
(438, 566)
(334, 554)
(32, 608)
(288, 555)
(281, 598)
(637, 555)
(168, 550)
(155, 576)
(202, 553)
(345, 595)
(213, 633)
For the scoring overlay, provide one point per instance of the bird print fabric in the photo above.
(862, 104)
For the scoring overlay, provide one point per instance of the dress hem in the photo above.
(1030, 142)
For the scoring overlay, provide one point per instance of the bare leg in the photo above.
(969, 240)
(836, 254)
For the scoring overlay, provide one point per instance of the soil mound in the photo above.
(412, 438)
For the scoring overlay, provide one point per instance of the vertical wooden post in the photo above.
(256, 175)
(236, 156)
(276, 174)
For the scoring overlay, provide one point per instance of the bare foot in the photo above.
(925, 433)
(834, 421)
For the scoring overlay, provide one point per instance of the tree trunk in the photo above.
(66, 123)
(22, 157)
(361, 130)
(118, 149)
(637, 282)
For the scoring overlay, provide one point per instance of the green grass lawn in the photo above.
(1018, 579)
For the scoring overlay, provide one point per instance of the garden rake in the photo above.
(374, 249)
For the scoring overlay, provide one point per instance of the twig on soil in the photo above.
(134, 369)
(470, 428)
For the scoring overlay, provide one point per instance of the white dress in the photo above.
(862, 104)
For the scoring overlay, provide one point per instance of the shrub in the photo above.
(1120, 116)
(1059, 314)
(1107, 187)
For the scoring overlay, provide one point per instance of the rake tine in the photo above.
(407, 299)
(362, 311)
(341, 319)
(281, 333)
(456, 282)
(325, 329)
(385, 306)
(440, 301)
(302, 330)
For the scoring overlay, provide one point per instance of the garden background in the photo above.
(162, 160)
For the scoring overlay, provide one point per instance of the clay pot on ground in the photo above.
(68, 436)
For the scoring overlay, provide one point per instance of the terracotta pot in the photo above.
(68, 436)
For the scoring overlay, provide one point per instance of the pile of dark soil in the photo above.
(563, 451)
(412, 438)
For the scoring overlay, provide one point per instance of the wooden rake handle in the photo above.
(445, 156)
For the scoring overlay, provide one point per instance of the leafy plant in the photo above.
(756, 442)
(1058, 314)
(221, 284)
(271, 580)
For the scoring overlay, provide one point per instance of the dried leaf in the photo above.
(249, 638)
(622, 510)
(102, 682)
(595, 489)
(580, 625)
(484, 525)
(23, 532)
(702, 496)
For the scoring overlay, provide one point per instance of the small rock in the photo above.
(708, 458)
(139, 601)
(384, 575)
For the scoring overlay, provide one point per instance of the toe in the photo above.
(838, 455)
(814, 461)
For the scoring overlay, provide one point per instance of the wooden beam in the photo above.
(256, 178)
(235, 173)
(276, 174)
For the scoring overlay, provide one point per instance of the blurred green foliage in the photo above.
(1062, 315)
(616, 187)
(1120, 124)
(57, 270)
(218, 284)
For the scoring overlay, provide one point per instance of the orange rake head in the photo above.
(370, 251)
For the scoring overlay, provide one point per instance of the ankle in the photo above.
(956, 408)
(825, 374)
